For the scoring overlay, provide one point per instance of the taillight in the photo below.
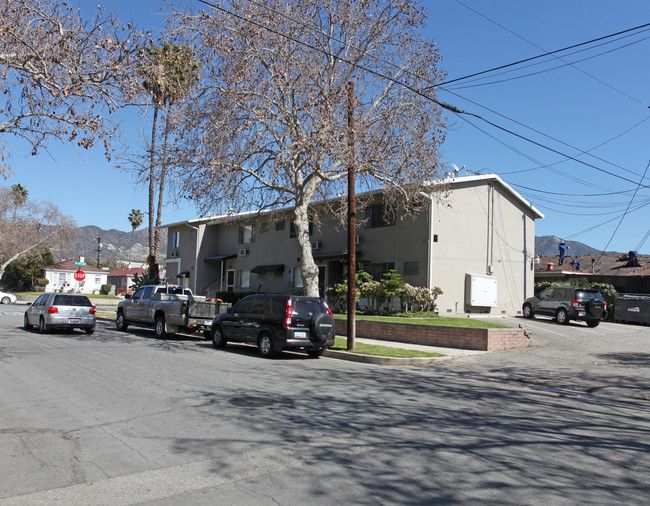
(605, 306)
(576, 303)
(328, 309)
(53, 310)
(92, 310)
(287, 316)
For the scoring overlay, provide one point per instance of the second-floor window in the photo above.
(376, 217)
(176, 240)
(246, 234)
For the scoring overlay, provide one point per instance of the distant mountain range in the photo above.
(547, 245)
(115, 243)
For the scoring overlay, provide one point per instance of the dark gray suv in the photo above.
(566, 303)
(275, 323)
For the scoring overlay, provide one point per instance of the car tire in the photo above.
(593, 323)
(90, 330)
(528, 311)
(120, 322)
(26, 324)
(218, 339)
(315, 353)
(5, 300)
(322, 326)
(265, 345)
(561, 316)
(42, 326)
(159, 327)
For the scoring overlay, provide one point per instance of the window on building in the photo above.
(377, 270)
(246, 234)
(411, 268)
(264, 227)
(279, 226)
(376, 216)
(176, 240)
(98, 280)
(244, 278)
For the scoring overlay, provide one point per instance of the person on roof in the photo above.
(563, 249)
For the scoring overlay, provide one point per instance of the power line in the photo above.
(548, 53)
(624, 214)
(539, 47)
(564, 64)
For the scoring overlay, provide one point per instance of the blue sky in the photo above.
(598, 105)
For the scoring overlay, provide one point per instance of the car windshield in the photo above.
(71, 300)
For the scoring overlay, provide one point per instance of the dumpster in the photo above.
(632, 308)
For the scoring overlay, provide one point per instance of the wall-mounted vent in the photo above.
(173, 254)
(243, 252)
(316, 245)
(358, 239)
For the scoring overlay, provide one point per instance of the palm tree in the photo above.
(169, 72)
(19, 197)
(135, 218)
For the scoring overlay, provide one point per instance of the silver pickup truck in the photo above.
(168, 309)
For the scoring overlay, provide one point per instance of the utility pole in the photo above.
(99, 247)
(352, 246)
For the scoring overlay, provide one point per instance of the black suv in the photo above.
(275, 323)
(567, 303)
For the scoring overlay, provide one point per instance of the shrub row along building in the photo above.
(476, 243)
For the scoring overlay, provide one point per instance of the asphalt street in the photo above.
(124, 418)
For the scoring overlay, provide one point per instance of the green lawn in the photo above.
(341, 344)
(447, 322)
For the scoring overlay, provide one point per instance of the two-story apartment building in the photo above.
(476, 244)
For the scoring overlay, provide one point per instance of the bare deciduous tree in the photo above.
(269, 126)
(60, 76)
(31, 224)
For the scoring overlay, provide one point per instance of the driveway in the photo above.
(611, 360)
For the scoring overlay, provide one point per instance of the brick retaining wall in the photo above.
(434, 335)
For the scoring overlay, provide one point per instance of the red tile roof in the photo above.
(128, 271)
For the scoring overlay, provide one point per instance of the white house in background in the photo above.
(61, 277)
(477, 244)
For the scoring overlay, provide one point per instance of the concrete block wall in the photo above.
(433, 335)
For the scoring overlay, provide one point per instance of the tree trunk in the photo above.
(161, 185)
(307, 265)
(152, 181)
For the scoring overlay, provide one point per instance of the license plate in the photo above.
(74, 320)
(581, 313)
(300, 335)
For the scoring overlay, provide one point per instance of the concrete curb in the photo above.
(357, 357)
(378, 360)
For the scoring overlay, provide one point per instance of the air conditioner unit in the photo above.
(243, 252)
(315, 245)
(173, 254)
(358, 239)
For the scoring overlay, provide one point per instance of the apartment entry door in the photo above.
(230, 280)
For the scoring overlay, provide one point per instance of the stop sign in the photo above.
(79, 275)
